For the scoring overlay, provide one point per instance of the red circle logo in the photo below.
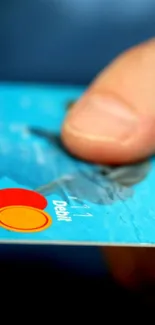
(22, 197)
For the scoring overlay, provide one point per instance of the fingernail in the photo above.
(102, 117)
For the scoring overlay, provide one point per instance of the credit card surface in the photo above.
(48, 196)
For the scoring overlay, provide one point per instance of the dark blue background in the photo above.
(68, 40)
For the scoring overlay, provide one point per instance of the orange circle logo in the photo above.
(24, 219)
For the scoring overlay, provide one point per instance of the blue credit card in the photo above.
(48, 196)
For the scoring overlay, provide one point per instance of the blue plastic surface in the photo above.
(93, 210)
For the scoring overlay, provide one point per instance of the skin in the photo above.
(114, 123)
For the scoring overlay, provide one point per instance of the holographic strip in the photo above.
(127, 175)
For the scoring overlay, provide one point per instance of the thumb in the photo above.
(114, 121)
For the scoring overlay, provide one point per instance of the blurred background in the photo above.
(68, 41)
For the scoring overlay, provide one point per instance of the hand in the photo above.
(114, 122)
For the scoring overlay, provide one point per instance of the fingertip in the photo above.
(112, 151)
(114, 121)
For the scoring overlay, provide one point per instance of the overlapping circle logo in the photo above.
(22, 210)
